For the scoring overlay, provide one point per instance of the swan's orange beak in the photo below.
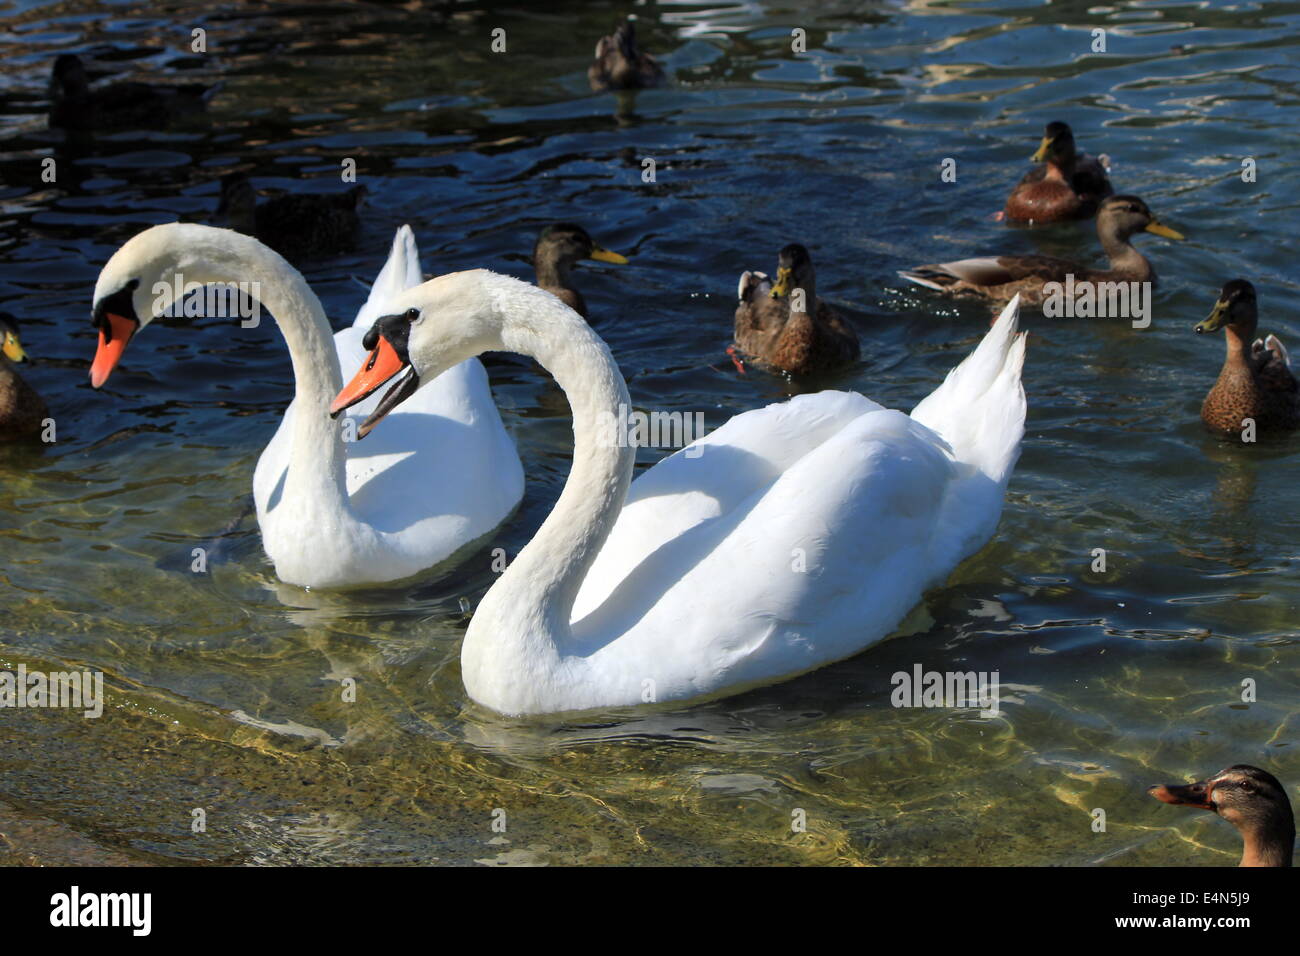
(112, 343)
(383, 364)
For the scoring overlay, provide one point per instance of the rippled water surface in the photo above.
(225, 687)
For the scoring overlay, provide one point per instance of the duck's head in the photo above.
(1236, 308)
(1252, 800)
(625, 34)
(794, 270)
(10, 347)
(68, 78)
(564, 244)
(1057, 146)
(1125, 216)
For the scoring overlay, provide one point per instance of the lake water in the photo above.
(224, 688)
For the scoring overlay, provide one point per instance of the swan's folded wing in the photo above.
(820, 563)
(712, 476)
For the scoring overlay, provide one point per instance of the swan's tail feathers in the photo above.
(980, 407)
(400, 272)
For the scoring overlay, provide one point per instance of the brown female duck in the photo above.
(1255, 381)
(785, 325)
(74, 105)
(21, 410)
(296, 225)
(1251, 800)
(1069, 184)
(998, 278)
(559, 248)
(619, 65)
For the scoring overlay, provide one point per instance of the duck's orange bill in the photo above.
(382, 365)
(109, 352)
(1192, 795)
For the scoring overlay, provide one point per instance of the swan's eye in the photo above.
(412, 315)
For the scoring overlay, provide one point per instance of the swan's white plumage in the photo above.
(800, 534)
(442, 474)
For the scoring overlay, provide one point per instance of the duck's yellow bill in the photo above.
(601, 254)
(1160, 229)
(1041, 154)
(781, 286)
(1215, 320)
(12, 349)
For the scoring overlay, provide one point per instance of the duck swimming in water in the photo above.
(1068, 184)
(785, 325)
(1256, 381)
(21, 410)
(559, 248)
(74, 105)
(998, 278)
(296, 225)
(619, 65)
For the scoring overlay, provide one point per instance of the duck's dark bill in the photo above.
(112, 343)
(381, 365)
(1191, 795)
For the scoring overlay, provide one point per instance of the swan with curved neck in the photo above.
(792, 536)
(331, 516)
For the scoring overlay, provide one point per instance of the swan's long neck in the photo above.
(316, 475)
(522, 624)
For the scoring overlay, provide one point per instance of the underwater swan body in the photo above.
(792, 536)
(333, 514)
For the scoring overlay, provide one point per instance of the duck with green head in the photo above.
(784, 325)
(21, 410)
(1252, 800)
(558, 249)
(1068, 184)
(1255, 382)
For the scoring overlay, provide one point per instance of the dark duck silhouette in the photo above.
(296, 225)
(619, 65)
(125, 105)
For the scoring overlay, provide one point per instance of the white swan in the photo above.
(792, 536)
(333, 514)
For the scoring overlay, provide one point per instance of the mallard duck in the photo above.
(558, 249)
(21, 410)
(296, 225)
(74, 105)
(619, 65)
(1255, 381)
(1251, 800)
(1069, 185)
(775, 327)
(1000, 277)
